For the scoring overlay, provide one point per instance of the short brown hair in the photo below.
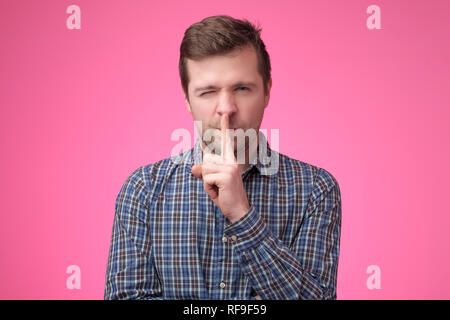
(220, 35)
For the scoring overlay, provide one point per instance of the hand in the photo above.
(222, 178)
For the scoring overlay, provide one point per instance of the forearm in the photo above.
(130, 273)
(275, 271)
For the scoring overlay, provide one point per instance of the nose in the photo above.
(226, 104)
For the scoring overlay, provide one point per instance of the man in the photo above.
(210, 227)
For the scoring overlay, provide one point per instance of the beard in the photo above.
(242, 140)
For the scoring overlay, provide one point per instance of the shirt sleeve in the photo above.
(130, 273)
(307, 269)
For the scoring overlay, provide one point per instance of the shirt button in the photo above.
(222, 285)
(224, 239)
(233, 237)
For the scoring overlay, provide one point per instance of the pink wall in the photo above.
(81, 109)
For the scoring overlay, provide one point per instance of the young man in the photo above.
(212, 227)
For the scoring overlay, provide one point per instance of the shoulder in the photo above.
(295, 171)
(146, 181)
(317, 186)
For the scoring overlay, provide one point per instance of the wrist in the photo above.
(249, 232)
(240, 213)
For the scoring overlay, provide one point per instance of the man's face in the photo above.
(227, 84)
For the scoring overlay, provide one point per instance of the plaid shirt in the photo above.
(170, 241)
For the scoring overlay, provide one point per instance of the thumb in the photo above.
(197, 170)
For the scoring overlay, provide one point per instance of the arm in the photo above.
(130, 273)
(308, 268)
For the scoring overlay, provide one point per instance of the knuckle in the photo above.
(205, 166)
(207, 157)
(233, 168)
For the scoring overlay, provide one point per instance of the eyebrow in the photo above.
(238, 84)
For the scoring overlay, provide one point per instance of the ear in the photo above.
(267, 96)
(188, 105)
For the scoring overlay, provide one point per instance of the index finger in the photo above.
(227, 147)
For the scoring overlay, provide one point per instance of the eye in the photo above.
(205, 93)
(242, 89)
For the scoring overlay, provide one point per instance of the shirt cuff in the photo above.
(247, 232)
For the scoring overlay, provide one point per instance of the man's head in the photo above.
(225, 68)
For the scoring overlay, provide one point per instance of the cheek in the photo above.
(201, 110)
(252, 107)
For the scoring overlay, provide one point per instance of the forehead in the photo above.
(221, 70)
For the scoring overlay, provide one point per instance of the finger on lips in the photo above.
(226, 146)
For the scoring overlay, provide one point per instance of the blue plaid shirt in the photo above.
(170, 241)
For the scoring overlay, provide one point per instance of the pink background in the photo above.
(82, 109)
